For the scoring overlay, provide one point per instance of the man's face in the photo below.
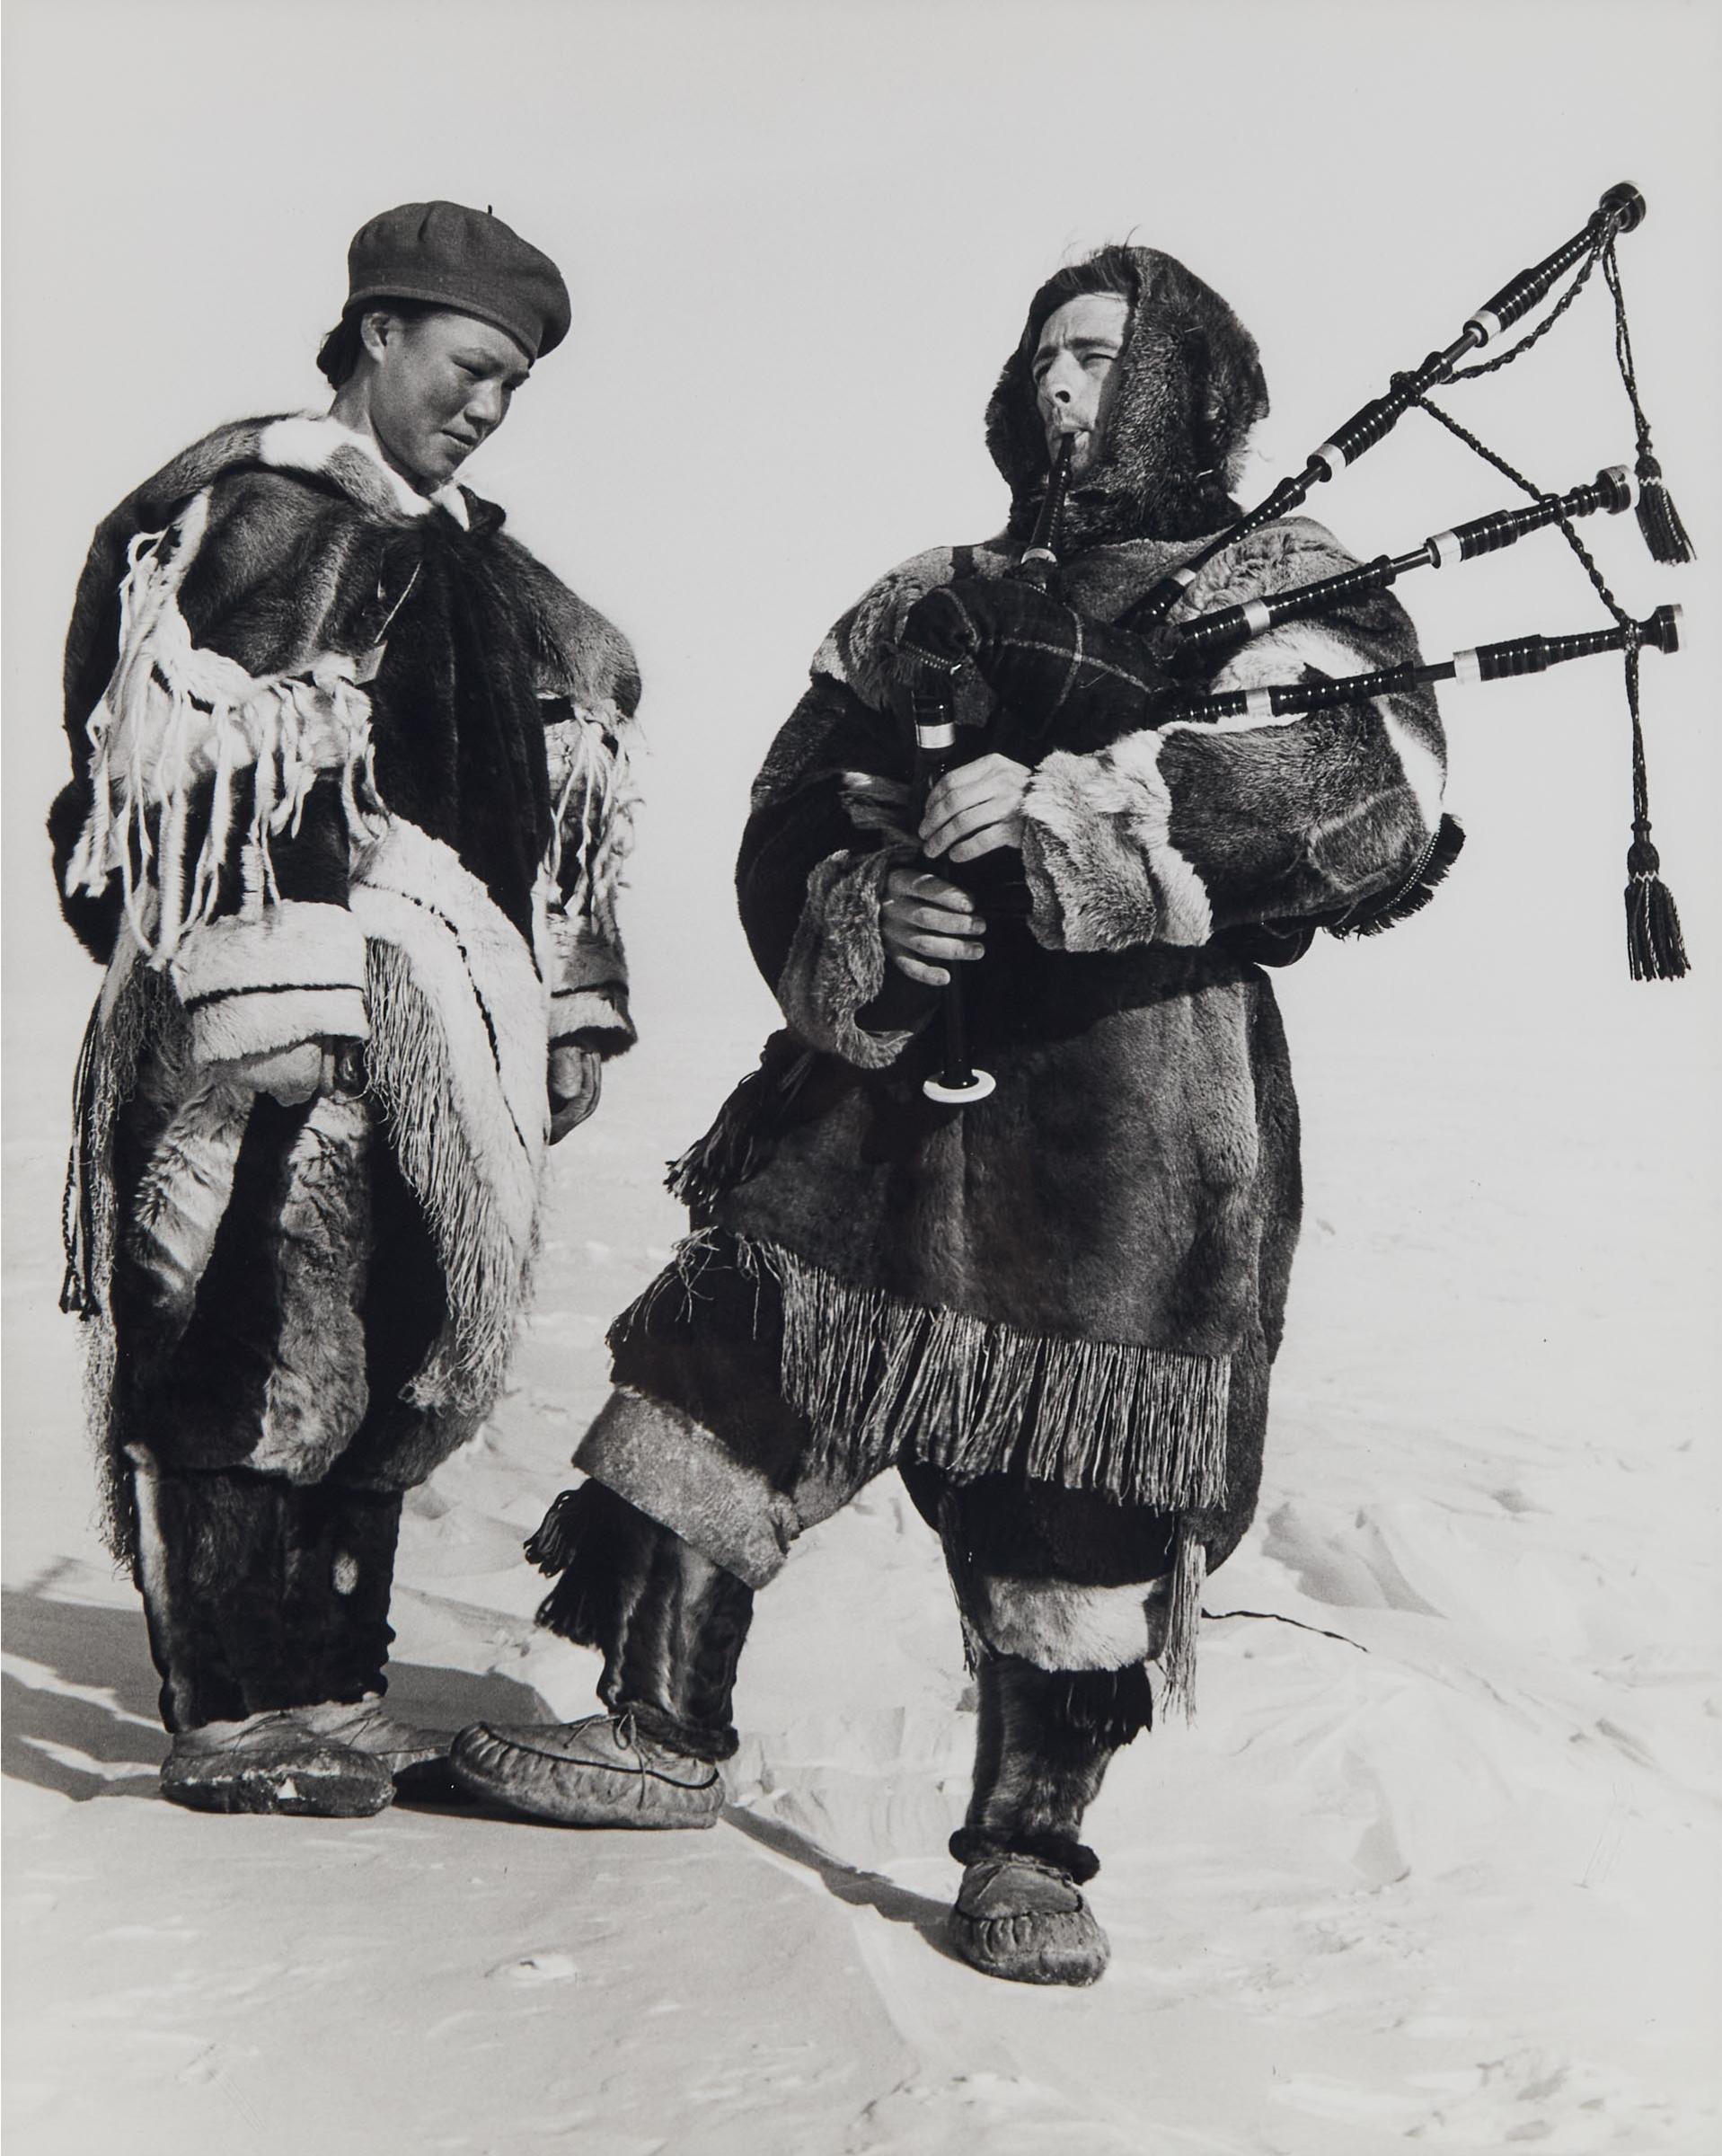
(1077, 349)
(441, 386)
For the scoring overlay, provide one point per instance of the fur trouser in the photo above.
(261, 1594)
(274, 1287)
(669, 1623)
(1043, 1744)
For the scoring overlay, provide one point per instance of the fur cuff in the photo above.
(837, 963)
(1058, 1625)
(974, 1844)
(1102, 871)
(297, 973)
(678, 1473)
(588, 1002)
(592, 1018)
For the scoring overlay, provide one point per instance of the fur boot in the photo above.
(272, 1762)
(671, 1626)
(261, 1594)
(267, 1612)
(1044, 1742)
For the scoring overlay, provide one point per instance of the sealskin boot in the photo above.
(1044, 1740)
(601, 1771)
(670, 1625)
(1025, 1918)
(416, 1760)
(272, 1762)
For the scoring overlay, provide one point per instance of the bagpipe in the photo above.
(1139, 671)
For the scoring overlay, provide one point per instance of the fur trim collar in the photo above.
(317, 446)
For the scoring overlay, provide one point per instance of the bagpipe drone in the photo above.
(1139, 670)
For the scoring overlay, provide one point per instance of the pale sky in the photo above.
(800, 241)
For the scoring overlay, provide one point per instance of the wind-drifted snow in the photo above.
(1433, 1866)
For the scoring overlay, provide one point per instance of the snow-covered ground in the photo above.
(1437, 1863)
(1438, 1869)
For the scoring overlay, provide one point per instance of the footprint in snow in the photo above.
(537, 1969)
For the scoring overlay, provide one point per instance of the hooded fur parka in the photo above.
(1078, 1282)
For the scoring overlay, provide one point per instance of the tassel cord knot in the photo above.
(1655, 950)
(1658, 519)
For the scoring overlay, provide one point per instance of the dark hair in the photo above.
(1108, 270)
(339, 353)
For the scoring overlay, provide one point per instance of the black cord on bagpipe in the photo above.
(1654, 946)
(1655, 950)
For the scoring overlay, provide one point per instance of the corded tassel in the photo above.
(1658, 519)
(1654, 950)
(1183, 1618)
(748, 1126)
(552, 1544)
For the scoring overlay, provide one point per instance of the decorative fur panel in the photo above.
(1058, 1624)
(1180, 830)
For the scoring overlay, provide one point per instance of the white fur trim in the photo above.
(259, 1024)
(1424, 773)
(1101, 866)
(1185, 916)
(1281, 658)
(1056, 1625)
(184, 1189)
(309, 441)
(672, 1467)
(249, 986)
(586, 1010)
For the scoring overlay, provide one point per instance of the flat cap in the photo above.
(464, 259)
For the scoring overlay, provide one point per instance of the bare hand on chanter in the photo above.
(927, 924)
(976, 809)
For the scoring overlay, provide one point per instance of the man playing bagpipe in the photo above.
(1054, 1309)
(343, 829)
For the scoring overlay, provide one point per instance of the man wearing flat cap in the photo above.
(344, 829)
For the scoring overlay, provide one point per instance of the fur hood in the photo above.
(1179, 406)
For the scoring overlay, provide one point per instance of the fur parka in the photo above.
(349, 766)
(1081, 1280)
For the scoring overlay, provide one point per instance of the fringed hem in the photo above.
(876, 1376)
(485, 1266)
(113, 1045)
(874, 1372)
